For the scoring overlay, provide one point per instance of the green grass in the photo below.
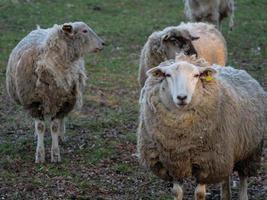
(98, 154)
(123, 168)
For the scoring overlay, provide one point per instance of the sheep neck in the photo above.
(61, 48)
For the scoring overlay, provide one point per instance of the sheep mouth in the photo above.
(96, 50)
(181, 104)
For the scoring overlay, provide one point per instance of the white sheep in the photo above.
(46, 76)
(212, 11)
(202, 122)
(200, 39)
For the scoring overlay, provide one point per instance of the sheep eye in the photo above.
(196, 75)
(85, 31)
(167, 75)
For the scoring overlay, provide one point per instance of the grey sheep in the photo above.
(200, 39)
(202, 122)
(46, 76)
(211, 11)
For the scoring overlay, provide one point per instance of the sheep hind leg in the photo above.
(243, 193)
(177, 191)
(39, 132)
(226, 189)
(55, 133)
(200, 192)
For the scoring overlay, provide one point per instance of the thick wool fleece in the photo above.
(221, 131)
(45, 73)
(211, 46)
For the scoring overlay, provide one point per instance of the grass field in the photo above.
(98, 154)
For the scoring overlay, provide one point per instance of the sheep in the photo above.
(46, 76)
(200, 39)
(212, 11)
(203, 122)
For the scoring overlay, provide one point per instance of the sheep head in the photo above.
(175, 41)
(181, 81)
(82, 37)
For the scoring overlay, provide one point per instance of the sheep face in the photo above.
(83, 37)
(176, 41)
(180, 81)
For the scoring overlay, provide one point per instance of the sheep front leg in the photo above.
(243, 193)
(226, 189)
(39, 132)
(215, 19)
(55, 132)
(177, 191)
(62, 129)
(200, 192)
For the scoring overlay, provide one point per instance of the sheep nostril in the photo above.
(103, 43)
(182, 97)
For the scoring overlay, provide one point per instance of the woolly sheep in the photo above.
(46, 76)
(202, 122)
(200, 39)
(212, 11)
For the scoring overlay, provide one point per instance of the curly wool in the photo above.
(224, 132)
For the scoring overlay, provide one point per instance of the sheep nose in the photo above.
(182, 97)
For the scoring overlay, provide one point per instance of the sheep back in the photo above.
(211, 44)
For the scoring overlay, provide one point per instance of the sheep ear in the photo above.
(166, 36)
(155, 72)
(68, 29)
(207, 73)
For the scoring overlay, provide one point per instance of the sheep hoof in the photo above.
(38, 160)
(200, 192)
(40, 156)
(55, 159)
(200, 196)
(177, 192)
(62, 138)
(55, 156)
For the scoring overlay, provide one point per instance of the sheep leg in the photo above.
(215, 19)
(220, 26)
(243, 193)
(231, 21)
(200, 192)
(177, 191)
(226, 189)
(142, 75)
(62, 129)
(55, 132)
(39, 132)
